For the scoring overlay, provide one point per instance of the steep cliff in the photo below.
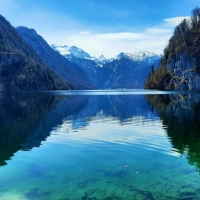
(183, 72)
(180, 65)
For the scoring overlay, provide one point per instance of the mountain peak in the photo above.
(71, 51)
(25, 29)
(122, 54)
(62, 49)
(138, 56)
(102, 57)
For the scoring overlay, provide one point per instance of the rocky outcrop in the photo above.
(183, 70)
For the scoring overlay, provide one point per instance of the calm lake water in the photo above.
(99, 145)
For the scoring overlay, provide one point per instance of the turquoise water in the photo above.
(100, 145)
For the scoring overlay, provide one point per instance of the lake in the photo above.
(100, 145)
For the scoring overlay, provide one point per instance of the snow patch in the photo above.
(139, 56)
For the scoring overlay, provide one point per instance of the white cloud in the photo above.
(158, 30)
(153, 39)
(175, 20)
(84, 32)
(111, 44)
(120, 36)
(57, 29)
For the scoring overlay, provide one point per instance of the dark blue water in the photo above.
(133, 144)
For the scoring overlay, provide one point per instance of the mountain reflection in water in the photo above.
(27, 119)
(130, 146)
(181, 115)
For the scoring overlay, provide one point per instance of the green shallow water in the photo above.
(100, 146)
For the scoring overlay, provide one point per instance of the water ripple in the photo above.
(139, 133)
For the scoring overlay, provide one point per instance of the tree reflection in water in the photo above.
(181, 115)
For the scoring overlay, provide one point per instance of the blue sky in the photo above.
(101, 26)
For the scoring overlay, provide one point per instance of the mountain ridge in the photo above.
(20, 66)
(77, 52)
(69, 71)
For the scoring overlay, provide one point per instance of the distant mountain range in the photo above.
(126, 70)
(27, 62)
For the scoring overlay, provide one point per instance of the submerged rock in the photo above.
(32, 194)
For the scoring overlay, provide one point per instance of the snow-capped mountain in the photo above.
(101, 60)
(141, 56)
(129, 70)
(68, 51)
(71, 52)
(126, 70)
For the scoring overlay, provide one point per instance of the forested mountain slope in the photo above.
(69, 71)
(180, 65)
(20, 66)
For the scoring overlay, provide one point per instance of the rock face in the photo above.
(180, 65)
(20, 66)
(184, 75)
(69, 71)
